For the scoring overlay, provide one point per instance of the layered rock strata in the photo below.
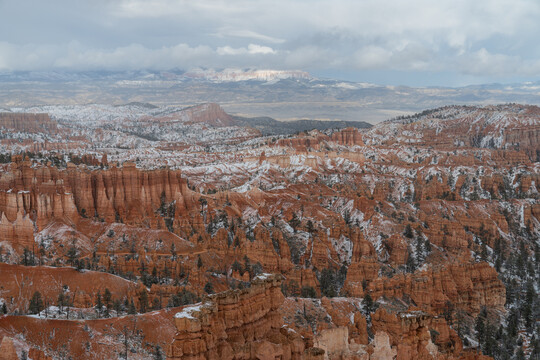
(237, 324)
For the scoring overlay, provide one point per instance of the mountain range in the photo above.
(286, 95)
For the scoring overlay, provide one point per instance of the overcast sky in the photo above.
(411, 42)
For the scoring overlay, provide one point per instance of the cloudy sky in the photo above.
(411, 42)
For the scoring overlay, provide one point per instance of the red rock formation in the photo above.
(239, 324)
(348, 136)
(36, 196)
(499, 126)
(33, 123)
(410, 337)
(7, 349)
(211, 114)
(466, 286)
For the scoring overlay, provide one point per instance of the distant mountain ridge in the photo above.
(284, 95)
(198, 74)
(227, 75)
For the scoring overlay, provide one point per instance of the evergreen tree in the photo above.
(308, 292)
(328, 283)
(131, 308)
(199, 262)
(309, 226)
(490, 344)
(512, 323)
(480, 325)
(36, 303)
(427, 246)
(143, 301)
(174, 301)
(448, 311)
(347, 217)
(484, 252)
(158, 354)
(408, 231)
(419, 250)
(535, 353)
(294, 222)
(236, 266)
(520, 354)
(203, 203)
(411, 263)
(72, 253)
(117, 306)
(4, 309)
(61, 300)
(209, 288)
(369, 305)
(156, 304)
(28, 258)
(99, 303)
(166, 274)
(173, 251)
(527, 305)
(107, 298)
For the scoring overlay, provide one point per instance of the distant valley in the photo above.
(257, 93)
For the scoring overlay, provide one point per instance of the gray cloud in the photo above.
(492, 39)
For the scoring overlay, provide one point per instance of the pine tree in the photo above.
(427, 246)
(107, 298)
(419, 250)
(131, 308)
(173, 251)
(309, 226)
(158, 354)
(369, 305)
(209, 288)
(328, 283)
(347, 217)
(117, 305)
(28, 259)
(528, 305)
(61, 300)
(236, 266)
(294, 222)
(480, 325)
(520, 354)
(411, 263)
(308, 292)
(36, 303)
(72, 253)
(4, 309)
(484, 252)
(99, 304)
(173, 300)
(490, 344)
(143, 301)
(156, 304)
(408, 231)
